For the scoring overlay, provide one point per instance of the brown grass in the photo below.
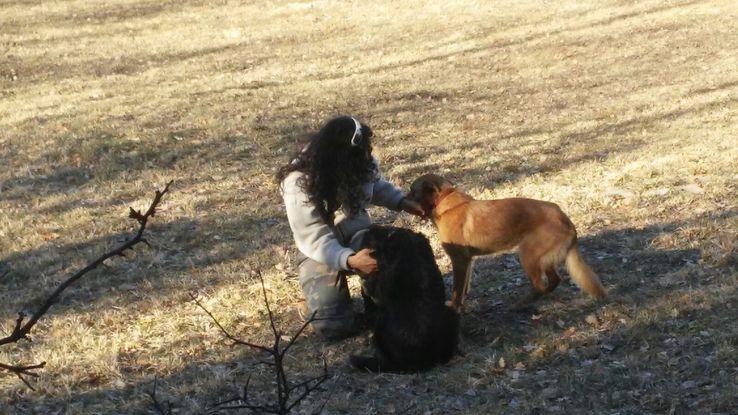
(623, 112)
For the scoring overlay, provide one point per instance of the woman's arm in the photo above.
(387, 195)
(312, 235)
(412, 207)
(363, 261)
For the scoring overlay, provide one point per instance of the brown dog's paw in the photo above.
(458, 308)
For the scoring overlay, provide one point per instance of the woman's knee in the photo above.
(328, 299)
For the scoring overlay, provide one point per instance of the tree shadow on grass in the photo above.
(724, 86)
(496, 44)
(598, 138)
(38, 68)
(133, 10)
(62, 179)
(103, 157)
(183, 245)
(235, 149)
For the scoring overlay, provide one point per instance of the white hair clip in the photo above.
(356, 138)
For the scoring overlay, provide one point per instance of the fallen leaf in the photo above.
(693, 188)
(538, 353)
(550, 392)
(689, 384)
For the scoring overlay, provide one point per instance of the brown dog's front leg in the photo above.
(460, 265)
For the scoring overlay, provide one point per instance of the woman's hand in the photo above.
(363, 262)
(412, 207)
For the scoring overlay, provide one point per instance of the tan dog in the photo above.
(542, 233)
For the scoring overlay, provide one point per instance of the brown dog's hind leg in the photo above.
(531, 263)
(553, 279)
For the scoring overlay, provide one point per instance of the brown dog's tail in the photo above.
(582, 274)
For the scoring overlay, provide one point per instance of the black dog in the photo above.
(413, 329)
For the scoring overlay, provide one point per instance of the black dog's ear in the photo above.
(366, 241)
(391, 246)
(422, 246)
(372, 237)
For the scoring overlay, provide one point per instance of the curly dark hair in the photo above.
(334, 169)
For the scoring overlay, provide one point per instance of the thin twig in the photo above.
(23, 370)
(308, 381)
(309, 389)
(299, 332)
(266, 302)
(225, 332)
(328, 398)
(155, 402)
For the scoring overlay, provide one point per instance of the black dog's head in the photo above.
(404, 258)
(391, 244)
(385, 240)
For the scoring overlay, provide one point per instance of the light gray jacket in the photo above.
(322, 242)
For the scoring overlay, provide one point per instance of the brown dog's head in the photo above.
(427, 189)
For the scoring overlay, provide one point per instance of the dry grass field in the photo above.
(623, 112)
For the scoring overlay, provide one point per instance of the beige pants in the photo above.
(327, 294)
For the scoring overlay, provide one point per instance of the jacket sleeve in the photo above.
(313, 237)
(385, 193)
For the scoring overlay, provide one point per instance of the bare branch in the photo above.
(21, 329)
(284, 402)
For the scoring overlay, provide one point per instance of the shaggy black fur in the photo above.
(413, 330)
